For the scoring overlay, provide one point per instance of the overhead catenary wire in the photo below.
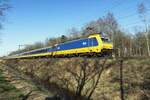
(117, 4)
(130, 15)
(122, 18)
(127, 16)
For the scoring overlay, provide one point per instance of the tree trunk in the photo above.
(147, 42)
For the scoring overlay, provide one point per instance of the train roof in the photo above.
(35, 50)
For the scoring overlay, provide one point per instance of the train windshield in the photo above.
(104, 39)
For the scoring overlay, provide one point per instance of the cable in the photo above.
(124, 17)
(113, 7)
(133, 14)
(118, 4)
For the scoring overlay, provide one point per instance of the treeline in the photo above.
(125, 43)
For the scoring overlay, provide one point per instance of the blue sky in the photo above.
(30, 21)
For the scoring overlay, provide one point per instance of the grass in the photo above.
(136, 76)
(8, 91)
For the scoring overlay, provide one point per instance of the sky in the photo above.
(30, 21)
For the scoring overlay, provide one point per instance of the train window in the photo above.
(105, 39)
(93, 42)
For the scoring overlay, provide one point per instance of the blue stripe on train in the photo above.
(88, 42)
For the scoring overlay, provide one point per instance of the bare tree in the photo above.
(143, 11)
(74, 33)
(63, 38)
(86, 76)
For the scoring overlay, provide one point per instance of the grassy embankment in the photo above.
(8, 91)
(54, 72)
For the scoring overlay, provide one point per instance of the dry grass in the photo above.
(136, 76)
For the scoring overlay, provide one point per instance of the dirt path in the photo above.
(29, 90)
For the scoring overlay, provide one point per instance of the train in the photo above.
(94, 45)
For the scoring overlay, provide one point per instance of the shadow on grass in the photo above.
(58, 92)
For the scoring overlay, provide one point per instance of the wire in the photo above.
(133, 23)
(130, 15)
(114, 6)
(117, 5)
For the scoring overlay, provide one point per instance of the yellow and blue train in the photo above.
(93, 45)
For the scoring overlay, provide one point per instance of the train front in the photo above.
(107, 48)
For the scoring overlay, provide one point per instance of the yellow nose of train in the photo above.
(107, 46)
